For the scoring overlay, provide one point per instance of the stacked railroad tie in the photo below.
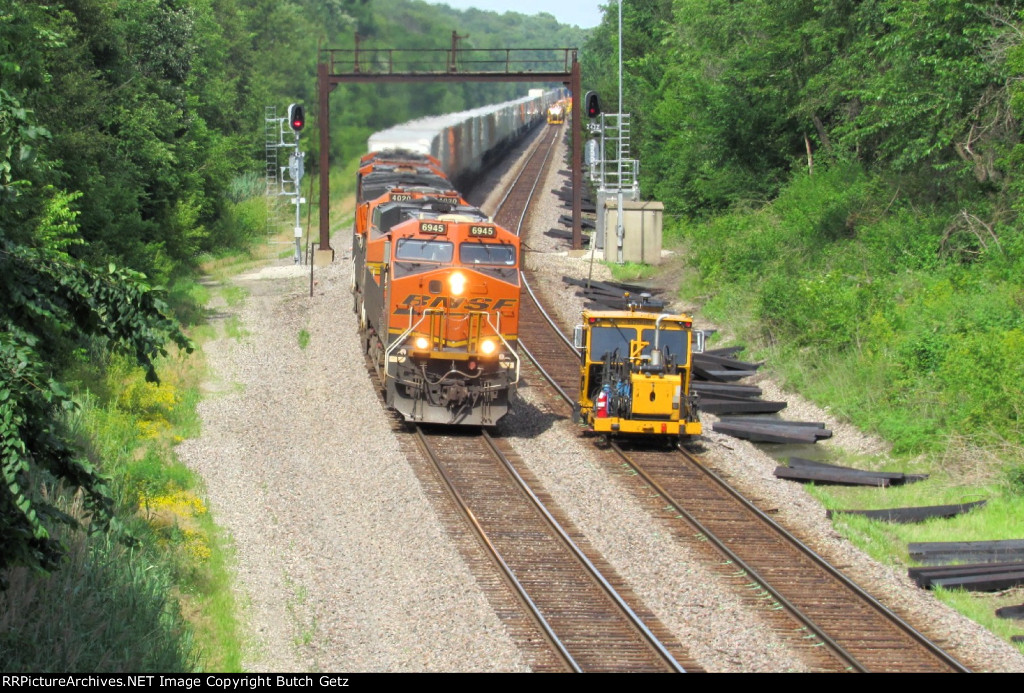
(586, 223)
(768, 430)
(715, 373)
(911, 515)
(565, 195)
(715, 376)
(1012, 612)
(616, 295)
(800, 469)
(990, 566)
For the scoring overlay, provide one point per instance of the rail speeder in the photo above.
(635, 369)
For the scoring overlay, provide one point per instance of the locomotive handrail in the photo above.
(508, 346)
(395, 344)
(440, 311)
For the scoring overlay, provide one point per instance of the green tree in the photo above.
(49, 303)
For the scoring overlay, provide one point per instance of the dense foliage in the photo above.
(847, 177)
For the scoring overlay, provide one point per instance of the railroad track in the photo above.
(575, 605)
(861, 634)
(559, 358)
(581, 614)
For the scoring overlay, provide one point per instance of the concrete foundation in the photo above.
(322, 258)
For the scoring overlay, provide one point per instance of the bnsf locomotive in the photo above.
(435, 282)
(436, 288)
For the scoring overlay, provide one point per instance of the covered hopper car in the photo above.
(465, 143)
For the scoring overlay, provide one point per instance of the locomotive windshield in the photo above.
(605, 340)
(430, 251)
(671, 342)
(487, 254)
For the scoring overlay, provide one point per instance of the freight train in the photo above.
(435, 282)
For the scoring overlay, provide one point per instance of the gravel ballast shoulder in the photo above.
(341, 564)
(751, 471)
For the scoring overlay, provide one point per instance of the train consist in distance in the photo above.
(435, 281)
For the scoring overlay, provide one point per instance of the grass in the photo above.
(166, 604)
(233, 295)
(631, 271)
(234, 329)
(108, 610)
(875, 346)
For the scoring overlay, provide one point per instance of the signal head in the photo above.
(592, 104)
(296, 117)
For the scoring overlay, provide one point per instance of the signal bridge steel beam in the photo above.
(364, 65)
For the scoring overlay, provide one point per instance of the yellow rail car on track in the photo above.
(635, 373)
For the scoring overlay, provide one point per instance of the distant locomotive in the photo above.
(635, 373)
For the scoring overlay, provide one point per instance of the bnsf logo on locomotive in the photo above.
(432, 227)
(476, 303)
(482, 231)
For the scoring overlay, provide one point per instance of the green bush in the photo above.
(107, 610)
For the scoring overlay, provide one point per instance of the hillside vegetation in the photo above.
(131, 157)
(846, 178)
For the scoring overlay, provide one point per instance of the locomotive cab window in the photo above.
(421, 250)
(487, 254)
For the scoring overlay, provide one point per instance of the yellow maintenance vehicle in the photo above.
(635, 373)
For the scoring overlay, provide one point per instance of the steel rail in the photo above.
(526, 205)
(807, 622)
(518, 230)
(506, 569)
(547, 376)
(582, 558)
(834, 572)
(828, 641)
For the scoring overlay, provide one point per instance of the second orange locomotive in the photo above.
(436, 287)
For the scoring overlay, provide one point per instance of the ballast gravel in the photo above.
(343, 565)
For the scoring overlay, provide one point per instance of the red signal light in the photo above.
(296, 117)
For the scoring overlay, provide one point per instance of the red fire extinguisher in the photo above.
(602, 403)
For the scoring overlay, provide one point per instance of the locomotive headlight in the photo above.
(487, 346)
(422, 343)
(457, 283)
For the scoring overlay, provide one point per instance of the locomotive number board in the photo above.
(481, 231)
(435, 227)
